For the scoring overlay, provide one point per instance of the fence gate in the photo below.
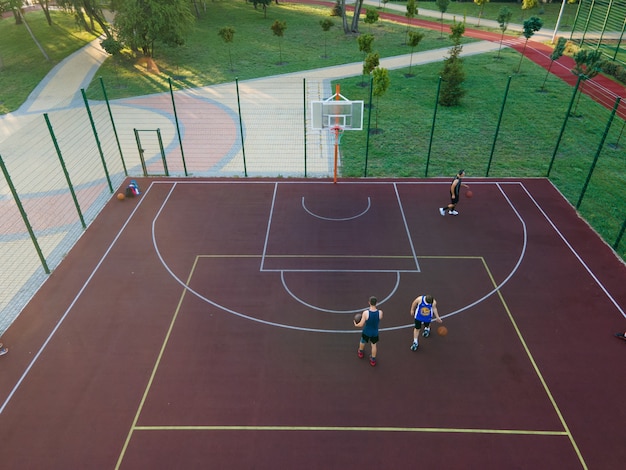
(150, 148)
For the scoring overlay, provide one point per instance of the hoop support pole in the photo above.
(337, 90)
(336, 153)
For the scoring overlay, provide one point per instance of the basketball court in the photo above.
(207, 323)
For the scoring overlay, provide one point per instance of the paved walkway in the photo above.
(61, 90)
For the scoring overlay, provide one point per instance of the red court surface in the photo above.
(208, 324)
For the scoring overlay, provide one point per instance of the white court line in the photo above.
(406, 227)
(344, 219)
(320, 309)
(319, 330)
(67, 311)
(269, 224)
(571, 248)
(97, 267)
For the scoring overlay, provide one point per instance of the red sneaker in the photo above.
(360, 354)
(372, 361)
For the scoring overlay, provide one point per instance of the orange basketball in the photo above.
(357, 317)
(469, 194)
(442, 331)
(121, 196)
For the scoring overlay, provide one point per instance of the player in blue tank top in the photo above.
(370, 319)
(423, 309)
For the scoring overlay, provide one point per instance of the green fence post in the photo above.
(67, 175)
(495, 137)
(618, 49)
(558, 141)
(432, 129)
(304, 107)
(141, 155)
(95, 134)
(369, 121)
(180, 140)
(243, 148)
(24, 216)
(619, 237)
(117, 138)
(597, 155)
(167, 172)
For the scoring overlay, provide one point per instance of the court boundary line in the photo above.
(520, 432)
(130, 217)
(61, 320)
(533, 365)
(574, 252)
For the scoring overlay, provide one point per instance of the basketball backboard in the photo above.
(337, 111)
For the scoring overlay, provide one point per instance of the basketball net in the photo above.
(338, 133)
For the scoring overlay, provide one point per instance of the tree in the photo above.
(588, 65)
(381, 85)
(326, 24)
(358, 4)
(557, 53)
(354, 26)
(46, 10)
(88, 12)
(414, 39)
(228, 35)
(371, 62)
(278, 28)
(481, 4)
(114, 48)
(15, 7)
(453, 74)
(365, 42)
(442, 5)
(371, 16)
(411, 11)
(140, 24)
(504, 17)
(528, 5)
(264, 4)
(531, 26)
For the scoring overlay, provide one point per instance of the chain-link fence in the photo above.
(61, 168)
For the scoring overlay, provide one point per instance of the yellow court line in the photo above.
(537, 371)
(309, 256)
(519, 432)
(133, 426)
(343, 256)
(566, 432)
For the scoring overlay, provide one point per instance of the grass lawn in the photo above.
(463, 136)
(255, 52)
(22, 64)
(548, 12)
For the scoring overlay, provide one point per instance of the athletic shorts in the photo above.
(418, 324)
(365, 338)
(454, 200)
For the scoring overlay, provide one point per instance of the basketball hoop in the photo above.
(337, 131)
(336, 115)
